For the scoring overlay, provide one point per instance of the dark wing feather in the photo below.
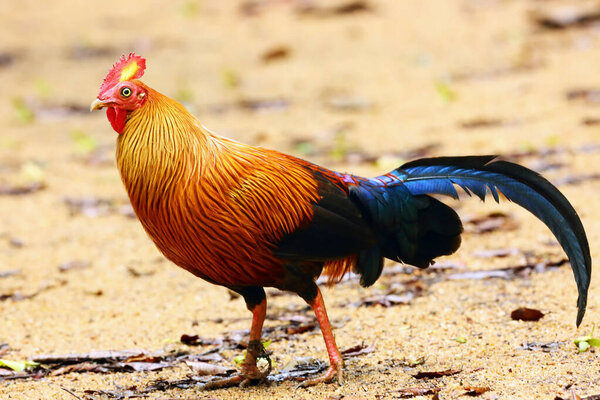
(336, 230)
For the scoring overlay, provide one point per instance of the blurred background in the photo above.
(356, 85)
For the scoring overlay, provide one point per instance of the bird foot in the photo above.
(250, 374)
(335, 371)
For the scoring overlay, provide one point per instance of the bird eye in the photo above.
(125, 92)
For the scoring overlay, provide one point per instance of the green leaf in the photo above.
(23, 112)
(238, 360)
(18, 365)
(582, 339)
(43, 88)
(230, 78)
(32, 172)
(594, 342)
(460, 339)
(445, 92)
(583, 346)
(190, 8)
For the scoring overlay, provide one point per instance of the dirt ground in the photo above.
(359, 86)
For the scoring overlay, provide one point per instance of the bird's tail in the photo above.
(439, 228)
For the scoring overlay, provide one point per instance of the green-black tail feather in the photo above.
(416, 228)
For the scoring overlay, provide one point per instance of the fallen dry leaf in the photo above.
(358, 350)
(204, 368)
(490, 222)
(436, 374)
(347, 8)
(195, 340)
(526, 314)
(276, 53)
(481, 123)
(475, 390)
(19, 190)
(414, 392)
(572, 16)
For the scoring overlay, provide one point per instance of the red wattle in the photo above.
(117, 118)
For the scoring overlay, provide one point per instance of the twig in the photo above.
(71, 393)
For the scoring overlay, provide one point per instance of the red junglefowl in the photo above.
(246, 218)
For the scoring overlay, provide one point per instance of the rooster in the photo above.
(246, 217)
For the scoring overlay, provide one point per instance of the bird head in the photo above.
(120, 93)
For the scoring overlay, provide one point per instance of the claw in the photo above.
(335, 371)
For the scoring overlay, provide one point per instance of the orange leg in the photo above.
(336, 363)
(250, 371)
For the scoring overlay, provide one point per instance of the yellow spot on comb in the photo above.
(129, 71)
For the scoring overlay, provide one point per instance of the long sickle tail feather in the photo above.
(481, 175)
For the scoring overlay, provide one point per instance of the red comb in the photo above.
(127, 68)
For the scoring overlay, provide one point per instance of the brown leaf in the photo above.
(81, 367)
(590, 121)
(19, 190)
(496, 253)
(490, 222)
(138, 274)
(346, 8)
(297, 329)
(387, 300)
(509, 272)
(276, 53)
(436, 374)
(475, 390)
(526, 314)
(358, 350)
(414, 392)
(564, 17)
(195, 340)
(255, 105)
(7, 59)
(94, 356)
(481, 123)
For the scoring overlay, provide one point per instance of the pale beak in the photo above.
(97, 105)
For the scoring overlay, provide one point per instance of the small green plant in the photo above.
(230, 78)
(238, 360)
(460, 339)
(43, 88)
(18, 366)
(444, 90)
(583, 343)
(22, 111)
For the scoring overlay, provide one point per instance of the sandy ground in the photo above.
(465, 76)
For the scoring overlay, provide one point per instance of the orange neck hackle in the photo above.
(212, 205)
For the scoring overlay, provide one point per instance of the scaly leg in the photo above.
(255, 350)
(336, 363)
